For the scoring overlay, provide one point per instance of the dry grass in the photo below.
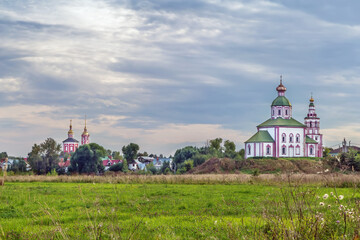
(330, 180)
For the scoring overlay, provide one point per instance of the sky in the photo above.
(167, 74)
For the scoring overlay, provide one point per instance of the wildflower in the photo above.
(341, 207)
(322, 204)
(331, 193)
(215, 222)
(329, 206)
(326, 170)
(337, 221)
(341, 197)
(325, 196)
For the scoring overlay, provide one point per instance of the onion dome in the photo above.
(281, 101)
(85, 129)
(281, 87)
(70, 130)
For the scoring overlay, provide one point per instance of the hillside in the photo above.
(226, 165)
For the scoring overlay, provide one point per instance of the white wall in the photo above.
(287, 142)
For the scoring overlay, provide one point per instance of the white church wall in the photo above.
(291, 147)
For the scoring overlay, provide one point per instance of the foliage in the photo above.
(216, 143)
(44, 158)
(151, 168)
(116, 167)
(199, 159)
(188, 164)
(184, 153)
(18, 166)
(130, 152)
(326, 152)
(116, 155)
(3, 155)
(125, 168)
(87, 159)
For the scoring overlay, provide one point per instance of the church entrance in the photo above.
(291, 151)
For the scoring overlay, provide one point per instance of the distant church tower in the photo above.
(312, 130)
(70, 144)
(85, 136)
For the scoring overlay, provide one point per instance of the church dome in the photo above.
(281, 101)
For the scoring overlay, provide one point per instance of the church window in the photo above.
(273, 112)
(249, 150)
(297, 150)
(310, 124)
(283, 150)
(297, 138)
(311, 150)
(286, 112)
(283, 137)
(279, 112)
(291, 138)
(268, 149)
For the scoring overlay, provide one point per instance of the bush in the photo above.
(116, 167)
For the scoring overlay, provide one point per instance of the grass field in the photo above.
(56, 210)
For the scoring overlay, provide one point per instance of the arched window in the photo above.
(310, 124)
(286, 112)
(249, 150)
(291, 138)
(311, 150)
(297, 138)
(279, 111)
(283, 150)
(268, 150)
(283, 137)
(297, 151)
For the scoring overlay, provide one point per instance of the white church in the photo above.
(283, 136)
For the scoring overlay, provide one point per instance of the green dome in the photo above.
(281, 101)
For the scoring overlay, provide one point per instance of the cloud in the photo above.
(156, 71)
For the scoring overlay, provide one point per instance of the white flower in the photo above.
(341, 207)
(326, 170)
(341, 197)
(331, 193)
(322, 204)
(215, 222)
(329, 206)
(325, 196)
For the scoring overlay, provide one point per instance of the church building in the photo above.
(71, 144)
(283, 136)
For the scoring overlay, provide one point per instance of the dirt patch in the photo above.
(226, 165)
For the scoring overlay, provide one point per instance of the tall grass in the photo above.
(327, 180)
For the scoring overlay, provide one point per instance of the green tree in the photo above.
(183, 154)
(44, 157)
(125, 168)
(87, 159)
(242, 153)
(3, 155)
(216, 143)
(116, 167)
(229, 149)
(130, 152)
(116, 155)
(199, 159)
(326, 151)
(19, 165)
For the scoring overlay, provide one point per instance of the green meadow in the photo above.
(51, 210)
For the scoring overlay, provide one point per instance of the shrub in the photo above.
(116, 167)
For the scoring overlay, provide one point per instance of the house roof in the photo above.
(261, 136)
(281, 122)
(281, 101)
(310, 140)
(71, 140)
